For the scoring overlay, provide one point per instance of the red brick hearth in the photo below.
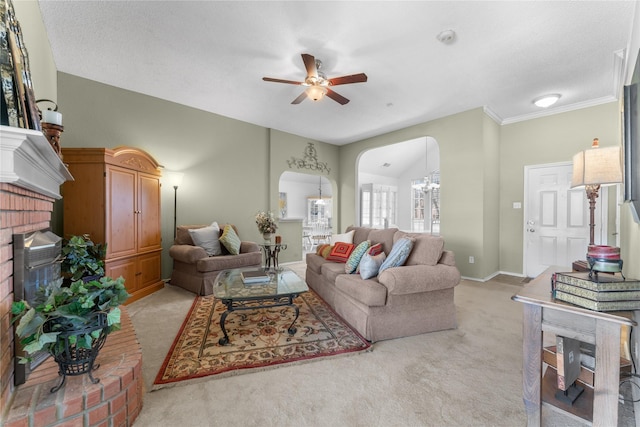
(115, 401)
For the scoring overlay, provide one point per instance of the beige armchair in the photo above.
(195, 271)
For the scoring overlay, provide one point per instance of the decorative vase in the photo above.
(266, 237)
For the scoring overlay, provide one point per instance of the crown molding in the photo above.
(27, 160)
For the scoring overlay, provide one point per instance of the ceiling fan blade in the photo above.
(337, 97)
(300, 98)
(353, 78)
(291, 82)
(310, 65)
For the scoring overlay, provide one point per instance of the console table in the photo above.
(543, 313)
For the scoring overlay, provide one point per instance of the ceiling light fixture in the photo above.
(546, 100)
(316, 92)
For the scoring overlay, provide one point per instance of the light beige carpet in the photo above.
(469, 376)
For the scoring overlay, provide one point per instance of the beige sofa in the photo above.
(412, 299)
(196, 271)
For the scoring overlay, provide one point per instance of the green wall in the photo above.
(225, 161)
(284, 146)
(550, 139)
(464, 224)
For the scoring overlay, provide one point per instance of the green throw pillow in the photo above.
(230, 240)
(355, 257)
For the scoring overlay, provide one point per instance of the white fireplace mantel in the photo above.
(27, 160)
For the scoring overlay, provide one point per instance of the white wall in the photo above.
(299, 187)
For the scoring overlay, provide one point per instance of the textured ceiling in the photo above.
(212, 56)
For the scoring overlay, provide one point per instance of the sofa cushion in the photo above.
(207, 238)
(427, 249)
(370, 264)
(360, 234)
(340, 252)
(315, 262)
(356, 255)
(230, 240)
(331, 270)
(344, 237)
(368, 292)
(399, 253)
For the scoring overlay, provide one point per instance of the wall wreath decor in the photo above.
(309, 160)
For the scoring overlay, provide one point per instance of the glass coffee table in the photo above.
(281, 289)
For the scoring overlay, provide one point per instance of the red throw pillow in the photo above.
(341, 252)
(375, 249)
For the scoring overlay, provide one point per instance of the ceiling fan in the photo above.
(318, 84)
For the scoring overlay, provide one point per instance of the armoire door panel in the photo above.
(121, 212)
(149, 269)
(149, 236)
(127, 269)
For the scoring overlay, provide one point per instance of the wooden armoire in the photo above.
(115, 198)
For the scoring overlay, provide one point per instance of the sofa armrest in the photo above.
(224, 262)
(411, 279)
(247, 247)
(447, 258)
(187, 253)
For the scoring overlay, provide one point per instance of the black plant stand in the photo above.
(75, 360)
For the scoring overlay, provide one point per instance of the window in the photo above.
(378, 206)
(425, 203)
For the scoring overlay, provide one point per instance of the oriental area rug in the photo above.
(258, 340)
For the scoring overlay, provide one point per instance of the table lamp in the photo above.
(593, 168)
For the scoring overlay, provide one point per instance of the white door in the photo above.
(556, 229)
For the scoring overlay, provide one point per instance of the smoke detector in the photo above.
(446, 36)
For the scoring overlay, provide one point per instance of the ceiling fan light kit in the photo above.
(316, 92)
(318, 84)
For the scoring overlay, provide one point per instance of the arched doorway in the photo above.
(399, 186)
(309, 199)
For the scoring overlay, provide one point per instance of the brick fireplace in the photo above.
(31, 174)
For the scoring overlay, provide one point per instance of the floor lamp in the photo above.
(593, 168)
(175, 179)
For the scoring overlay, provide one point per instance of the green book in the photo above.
(597, 305)
(598, 295)
(605, 282)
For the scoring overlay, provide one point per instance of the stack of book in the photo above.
(602, 292)
(255, 276)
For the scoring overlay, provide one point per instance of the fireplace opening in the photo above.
(36, 263)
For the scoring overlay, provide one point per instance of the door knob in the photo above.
(532, 230)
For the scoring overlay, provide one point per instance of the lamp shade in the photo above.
(173, 178)
(597, 166)
(316, 92)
